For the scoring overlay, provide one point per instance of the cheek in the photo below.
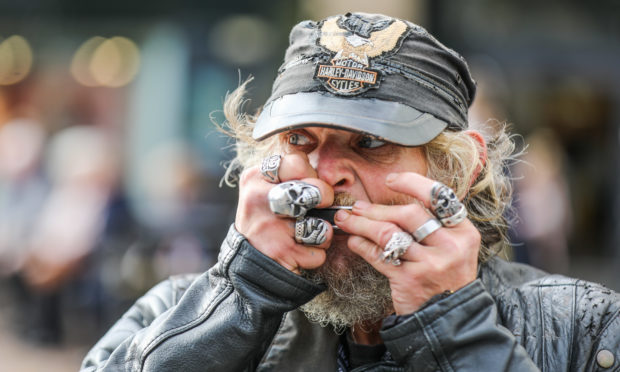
(373, 178)
(373, 182)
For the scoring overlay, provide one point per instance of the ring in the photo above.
(426, 229)
(310, 231)
(269, 168)
(446, 206)
(455, 219)
(293, 198)
(396, 247)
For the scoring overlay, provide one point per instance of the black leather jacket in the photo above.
(241, 315)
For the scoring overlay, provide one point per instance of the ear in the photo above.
(482, 148)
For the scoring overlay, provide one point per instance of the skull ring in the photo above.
(310, 231)
(293, 198)
(446, 205)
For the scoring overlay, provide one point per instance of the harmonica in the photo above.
(327, 214)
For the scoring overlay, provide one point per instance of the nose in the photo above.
(332, 164)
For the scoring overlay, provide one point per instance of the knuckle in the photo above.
(279, 251)
(385, 233)
(414, 208)
(438, 266)
(472, 237)
(247, 175)
(295, 166)
(250, 199)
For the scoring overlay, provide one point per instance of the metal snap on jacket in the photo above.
(605, 358)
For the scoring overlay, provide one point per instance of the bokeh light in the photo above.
(15, 60)
(112, 62)
(80, 66)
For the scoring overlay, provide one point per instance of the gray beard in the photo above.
(356, 294)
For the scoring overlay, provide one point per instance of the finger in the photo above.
(408, 216)
(326, 191)
(367, 250)
(312, 231)
(305, 257)
(252, 193)
(412, 184)
(295, 166)
(373, 254)
(295, 198)
(378, 232)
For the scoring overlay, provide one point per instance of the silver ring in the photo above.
(293, 198)
(445, 205)
(455, 219)
(310, 231)
(270, 167)
(426, 229)
(396, 247)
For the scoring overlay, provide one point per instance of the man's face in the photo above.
(355, 163)
(356, 166)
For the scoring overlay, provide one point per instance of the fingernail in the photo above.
(391, 177)
(361, 205)
(341, 215)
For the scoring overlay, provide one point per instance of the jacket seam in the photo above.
(543, 352)
(265, 359)
(430, 339)
(445, 362)
(572, 325)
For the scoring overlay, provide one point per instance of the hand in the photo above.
(447, 259)
(274, 235)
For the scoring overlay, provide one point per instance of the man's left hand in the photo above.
(447, 259)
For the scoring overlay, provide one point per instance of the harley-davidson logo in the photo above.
(349, 72)
(346, 76)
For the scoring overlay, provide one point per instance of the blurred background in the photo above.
(110, 166)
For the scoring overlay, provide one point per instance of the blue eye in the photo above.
(298, 139)
(370, 142)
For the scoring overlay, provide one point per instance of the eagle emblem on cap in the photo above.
(355, 43)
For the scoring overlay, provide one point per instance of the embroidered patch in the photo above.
(354, 46)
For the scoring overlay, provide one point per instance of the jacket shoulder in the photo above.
(559, 320)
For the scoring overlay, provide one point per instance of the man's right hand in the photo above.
(274, 235)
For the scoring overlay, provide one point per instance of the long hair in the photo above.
(453, 158)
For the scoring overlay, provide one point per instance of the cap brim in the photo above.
(391, 121)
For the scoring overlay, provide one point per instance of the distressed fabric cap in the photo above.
(372, 74)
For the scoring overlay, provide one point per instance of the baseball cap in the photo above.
(368, 73)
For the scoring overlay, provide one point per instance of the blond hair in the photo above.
(454, 158)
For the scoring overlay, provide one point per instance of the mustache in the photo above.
(343, 199)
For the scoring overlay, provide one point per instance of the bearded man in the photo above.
(367, 122)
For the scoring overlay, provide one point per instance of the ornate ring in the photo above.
(293, 198)
(269, 168)
(426, 229)
(446, 206)
(396, 247)
(456, 218)
(310, 231)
